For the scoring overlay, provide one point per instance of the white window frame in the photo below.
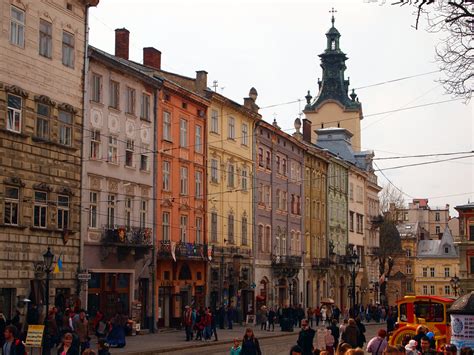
(114, 94)
(68, 44)
(143, 213)
(65, 127)
(17, 27)
(95, 145)
(129, 152)
(167, 126)
(198, 186)
(183, 228)
(42, 121)
(198, 139)
(12, 205)
(128, 212)
(230, 175)
(145, 107)
(45, 39)
(14, 116)
(214, 170)
(245, 134)
(166, 185)
(183, 177)
(183, 133)
(112, 151)
(144, 162)
(215, 121)
(166, 225)
(96, 88)
(425, 289)
(447, 272)
(111, 204)
(432, 272)
(40, 210)
(93, 209)
(244, 179)
(63, 213)
(131, 96)
(231, 128)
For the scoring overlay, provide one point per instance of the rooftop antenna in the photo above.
(215, 85)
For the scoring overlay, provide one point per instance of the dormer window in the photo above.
(333, 45)
(446, 250)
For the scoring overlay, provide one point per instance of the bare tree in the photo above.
(390, 195)
(455, 52)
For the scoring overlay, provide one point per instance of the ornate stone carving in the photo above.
(45, 100)
(113, 185)
(130, 189)
(64, 190)
(16, 90)
(94, 183)
(14, 180)
(145, 191)
(67, 108)
(96, 119)
(42, 186)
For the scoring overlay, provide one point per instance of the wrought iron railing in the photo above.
(183, 250)
(131, 236)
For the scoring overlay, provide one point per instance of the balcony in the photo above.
(286, 265)
(233, 250)
(132, 240)
(320, 264)
(184, 251)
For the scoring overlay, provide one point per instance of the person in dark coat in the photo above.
(67, 346)
(271, 319)
(230, 316)
(221, 316)
(335, 332)
(305, 338)
(361, 337)
(350, 334)
(12, 345)
(250, 344)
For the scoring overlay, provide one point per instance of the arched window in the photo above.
(298, 244)
(268, 235)
(244, 231)
(184, 273)
(261, 245)
(283, 244)
(333, 45)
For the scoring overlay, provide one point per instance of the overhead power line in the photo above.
(424, 163)
(423, 155)
(395, 80)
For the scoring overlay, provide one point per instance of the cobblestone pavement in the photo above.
(173, 342)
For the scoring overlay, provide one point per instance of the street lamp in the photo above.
(353, 265)
(48, 258)
(290, 286)
(455, 284)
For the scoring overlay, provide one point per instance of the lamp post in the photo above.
(48, 258)
(353, 265)
(290, 286)
(455, 284)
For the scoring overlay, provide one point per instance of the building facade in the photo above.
(466, 247)
(278, 215)
(437, 262)
(117, 191)
(230, 152)
(42, 50)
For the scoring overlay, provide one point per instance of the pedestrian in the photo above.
(221, 315)
(342, 348)
(351, 334)
(214, 324)
(187, 321)
(426, 348)
(305, 338)
(263, 318)
(89, 352)
(296, 350)
(449, 349)
(116, 335)
(361, 337)
(378, 344)
(67, 347)
(317, 315)
(207, 322)
(102, 347)
(271, 319)
(250, 344)
(3, 324)
(420, 333)
(236, 348)
(410, 348)
(430, 336)
(335, 332)
(12, 345)
(230, 316)
(329, 341)
(310, 315)
(82, 330)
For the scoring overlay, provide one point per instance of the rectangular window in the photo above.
(244, 231)
(447, 290)
(63, 212)
(432, 271)
(283, 166)
(198, 139)
(40, 209)
(183, 180)
(432, 290)
(42, 121)
(408, 269)
(45, 39)
(65, 128)
(145, 107)
(268, 159)
(96, 94)
(129, 152)
(284, 200)
(198, 230)
(95, 145)
(130, 104)
(166, 175)
(471, 265)
(198, 177)
(244, 179)
(166, 226)
(93, 209)
(111, 199)
(183, 229)
(437, 219)
(409, 286)
(268, 195)
(11, 207)
(112, 156)
(351, 191)
(143, 212)
(298, 205)
(183, 133)
(214, 121)
(167, 126)
(245, 134)
(260, 157)
(351, 221)
(144, 162)
(214, 171)
(68, 49)
(231, 128)
(114, 94)
(278, 164)
(128, 212)
(17, 27)
(230, 175)
(14, 113)
(437, 229)
(425, 272)
(425, 289)
(447, 272)
(261, 192)
(230, 229)
(214, 227)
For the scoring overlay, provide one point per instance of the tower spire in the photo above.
(332, 11)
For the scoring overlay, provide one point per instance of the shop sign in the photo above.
(34, 338)
(462, 327)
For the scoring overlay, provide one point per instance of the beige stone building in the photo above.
(41, 103)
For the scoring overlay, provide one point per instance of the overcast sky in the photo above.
(273, 45)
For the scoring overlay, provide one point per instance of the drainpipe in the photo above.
(254, 216)
(154, 234)
(85, 76)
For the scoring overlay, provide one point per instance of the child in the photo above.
(235, 349)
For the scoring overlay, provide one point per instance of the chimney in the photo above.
(201, 81)
(122, 37)
(152, 58)
(306, 130)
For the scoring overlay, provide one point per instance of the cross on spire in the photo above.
(332, 11)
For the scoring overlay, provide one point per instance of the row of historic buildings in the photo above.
(156, 192)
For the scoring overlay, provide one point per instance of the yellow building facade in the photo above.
(230, 131)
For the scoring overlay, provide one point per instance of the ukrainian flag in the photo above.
(59, 266)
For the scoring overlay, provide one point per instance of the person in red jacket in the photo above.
(188, 321)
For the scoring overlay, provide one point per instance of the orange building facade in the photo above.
(181, 245)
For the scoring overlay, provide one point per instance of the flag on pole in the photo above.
(59, 266)
(173, 250)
